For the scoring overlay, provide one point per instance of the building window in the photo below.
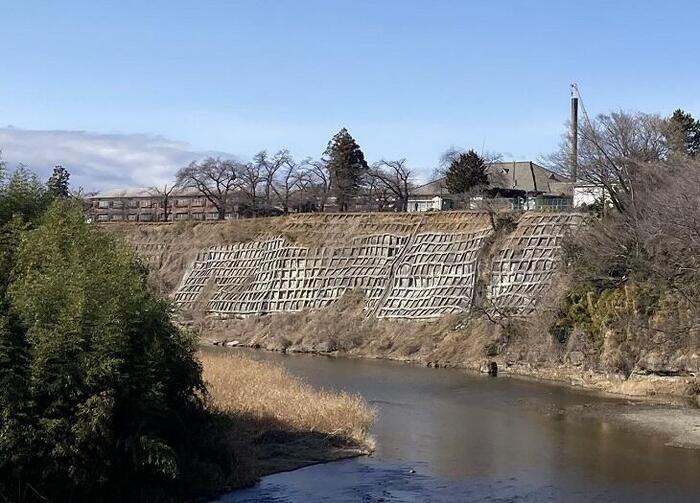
(198, 202)
(116, 218)
(180, 216)
(197, 216)
(146, 203)
(182, 203)
(118, 204)
(145, 217)
(102, 218)
(213, 215)
(103, 204)
(133, 203)
(131, 217)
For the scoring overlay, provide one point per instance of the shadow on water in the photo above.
(444, 435)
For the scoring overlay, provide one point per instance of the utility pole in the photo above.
(574, 132)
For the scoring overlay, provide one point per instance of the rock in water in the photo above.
(493, 369)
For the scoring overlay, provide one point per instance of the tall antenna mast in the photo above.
(574, 132)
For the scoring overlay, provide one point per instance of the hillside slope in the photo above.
(444, 289)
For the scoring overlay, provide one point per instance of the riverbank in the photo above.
(673, 424)
(454, 341)
(663, 416)
(450, 435)
(275, 422)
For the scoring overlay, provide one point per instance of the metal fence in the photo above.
(559, 204)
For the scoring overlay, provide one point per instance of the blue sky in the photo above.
(102, 86)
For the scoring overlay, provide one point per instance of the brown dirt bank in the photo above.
(454, 341)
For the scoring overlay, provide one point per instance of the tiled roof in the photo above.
(517, 175)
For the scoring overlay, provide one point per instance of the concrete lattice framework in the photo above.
(420, 276)
(292, 278)
(151, 253)
(407, 268)
(435, 276)
(275, 276)
(527, 261)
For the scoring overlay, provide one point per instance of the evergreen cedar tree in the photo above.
(465, 172)
(347, 166)
(101, 396)
(58, 182)
(685, 133)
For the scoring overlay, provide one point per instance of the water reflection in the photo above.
(458, 429)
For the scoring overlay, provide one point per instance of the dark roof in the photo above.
(144, 192)
(434, 188)
(523, 176)
(134, 192)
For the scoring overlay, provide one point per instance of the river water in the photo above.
(445, 435)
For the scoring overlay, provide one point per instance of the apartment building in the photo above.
(146, 205)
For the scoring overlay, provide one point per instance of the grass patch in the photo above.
(277, 422)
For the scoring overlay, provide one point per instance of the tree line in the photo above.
(277, 182)
(635, 265)
(649, 225)
(619, 151)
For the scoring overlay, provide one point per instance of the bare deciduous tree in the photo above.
(318, 180)
(268, 168)
(656, 237)
(250, 177)
(163, 194)
(613, 149)
(396, 178)
(290, 180)
(214, 178)
(374, 196)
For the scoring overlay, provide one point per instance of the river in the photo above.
(445, 435)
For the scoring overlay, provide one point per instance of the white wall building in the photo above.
(522, 185)
(586, 194)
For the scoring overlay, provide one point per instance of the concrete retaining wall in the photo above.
(416, 269)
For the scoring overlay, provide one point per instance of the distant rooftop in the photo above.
(526, 176)
(140, 192)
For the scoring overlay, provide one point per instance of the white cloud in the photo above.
(99, 161)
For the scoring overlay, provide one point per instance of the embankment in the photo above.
(442, 289)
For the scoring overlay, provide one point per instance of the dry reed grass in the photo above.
(272, 399)
(276, 422)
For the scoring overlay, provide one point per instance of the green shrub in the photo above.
(692, 388)
(491, 349)
(574, 313)
(100, 393)
(618, 308)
